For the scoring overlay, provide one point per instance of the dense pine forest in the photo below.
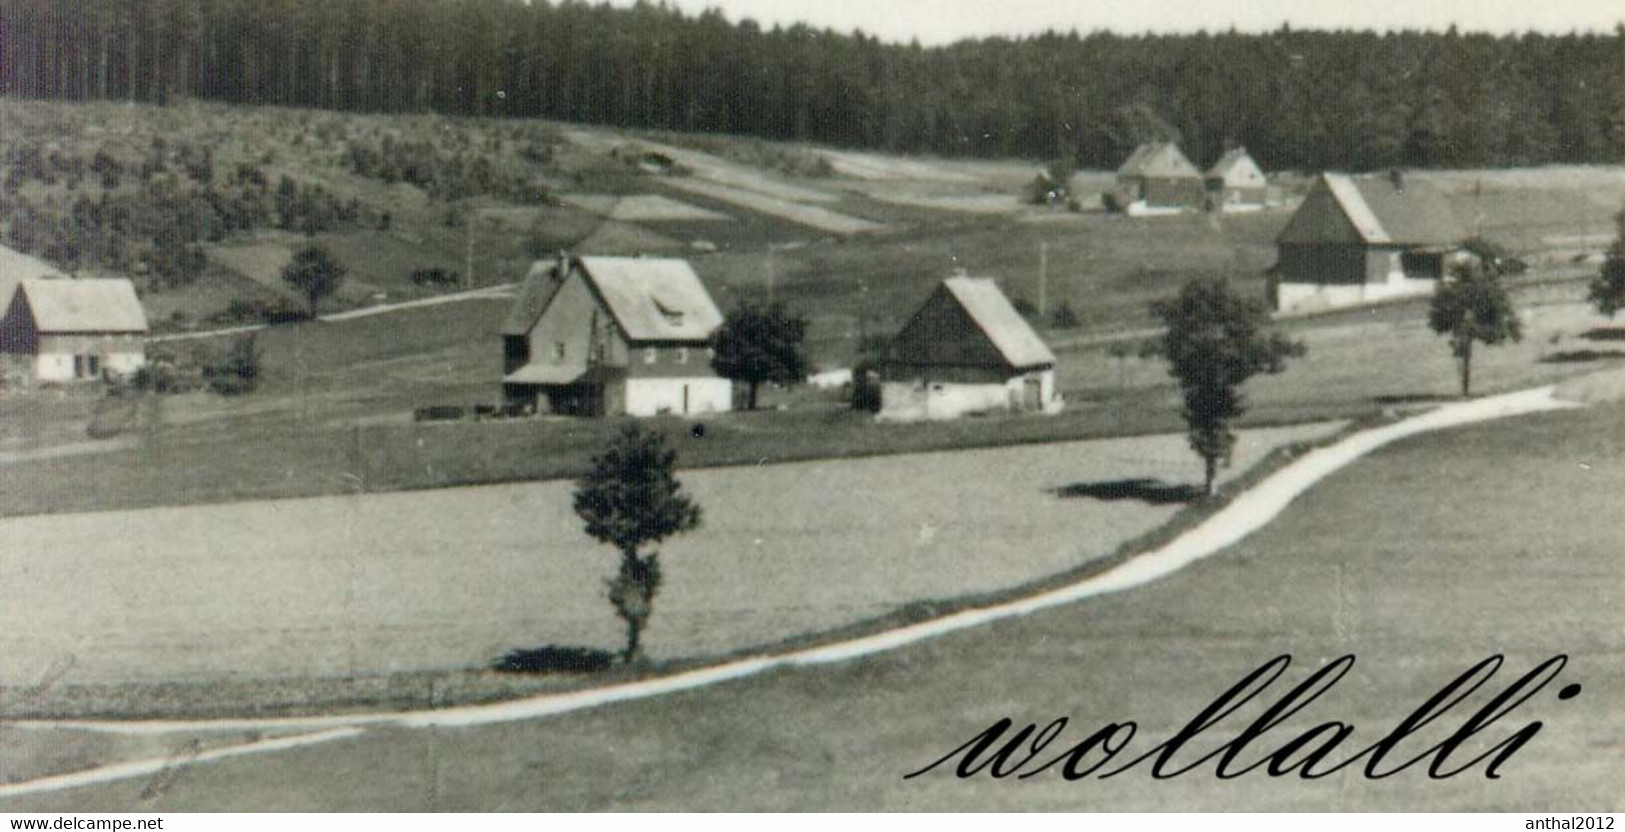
(1353, 100)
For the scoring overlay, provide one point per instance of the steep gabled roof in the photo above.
(71, 306)
(1159, 159)
(534, 295)
(1236, 167)
(654, 299)
(16, 267)
(651, 299)
(1377, 210)
(987, 306)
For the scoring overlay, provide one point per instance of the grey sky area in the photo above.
(943, 21)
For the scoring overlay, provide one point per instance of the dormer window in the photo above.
(670, 312)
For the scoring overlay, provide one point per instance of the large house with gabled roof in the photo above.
(605, 336)
(966, 350)
(1358, 239)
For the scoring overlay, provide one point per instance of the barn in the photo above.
(1357, 239)
(1158, 176)
(966, 350)
(607, 336)
(73, 330)
(1236, 181)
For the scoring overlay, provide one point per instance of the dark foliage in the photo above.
(630, 499)
(1215, 341)
(1296, 99)
(756, 345)
(1472, 306)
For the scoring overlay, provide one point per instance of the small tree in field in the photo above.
(1215, 342)
(756, 345)
(313, 273)
(1608, 287)
(631, 499)
(1473, 307)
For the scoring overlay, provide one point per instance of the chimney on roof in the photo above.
(561, 269)
(1397, 178)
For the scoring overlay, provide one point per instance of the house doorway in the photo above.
(1033, 394)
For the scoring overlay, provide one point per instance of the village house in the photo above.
(966, 350)
(1158, 178)
(73, 330)
(1357, 239)
(1236, 181)
(605, 336)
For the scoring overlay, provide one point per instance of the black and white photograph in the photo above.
(538, 406)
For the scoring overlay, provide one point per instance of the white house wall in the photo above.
(910, 401)
(654, 396)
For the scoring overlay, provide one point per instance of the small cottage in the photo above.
(603, 336)
(74, 330)
(1357, 239)
(966, 350)
(1236, 182)
(1158, 177)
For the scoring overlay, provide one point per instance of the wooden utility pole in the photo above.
(772, 274)
(1043, 277)
(468, 259)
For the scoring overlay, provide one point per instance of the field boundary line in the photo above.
(497, 292)
(1248, 512)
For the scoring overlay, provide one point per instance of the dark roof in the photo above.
(1159, 159)
(1411, 213)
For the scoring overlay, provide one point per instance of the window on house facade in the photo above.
(558, 350)
(87, 366)
(650, 355)
(682, 355)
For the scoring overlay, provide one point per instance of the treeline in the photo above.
(1353, 100)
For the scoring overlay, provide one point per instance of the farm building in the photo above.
(1236, 181)
(1357, 239)
(602, 336)
(966, 350)
(1158, 176)
(74, 330)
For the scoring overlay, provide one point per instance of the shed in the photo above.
(1357, 239)
(1157, 176)
(966, 350)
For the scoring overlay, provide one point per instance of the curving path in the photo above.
(1245, 514)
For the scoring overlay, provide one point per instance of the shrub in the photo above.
(436, 276)
(1064, 317)
(552, 659)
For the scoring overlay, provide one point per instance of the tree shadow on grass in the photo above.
(1581, 356)
(1150, 491)
(1604, 333)
(1412, 398)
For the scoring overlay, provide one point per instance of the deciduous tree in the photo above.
(314, 273)
(631, 499)
(1472, 306)
(1215, 341)
(756, 345)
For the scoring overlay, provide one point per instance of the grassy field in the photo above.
(364, 586)
(1420, 560)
